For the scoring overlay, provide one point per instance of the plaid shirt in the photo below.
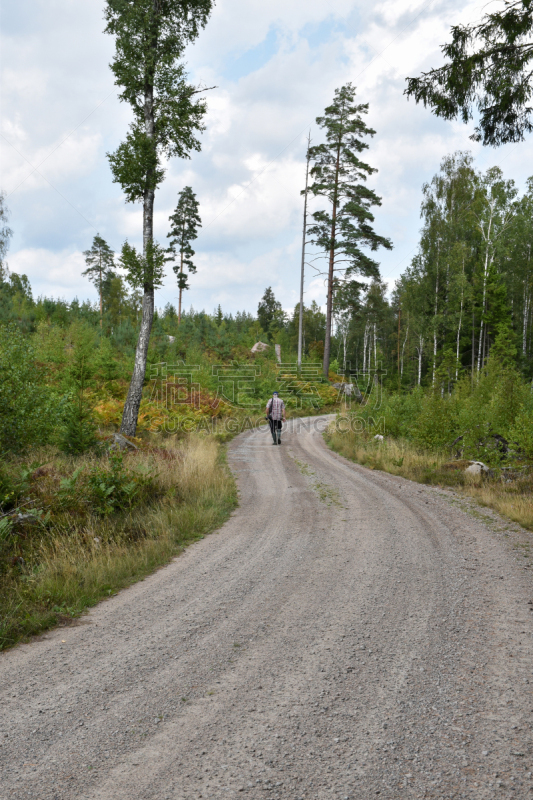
(278, 407)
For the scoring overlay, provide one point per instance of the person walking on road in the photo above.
(275, 410)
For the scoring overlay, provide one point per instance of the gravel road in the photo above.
(347, 634)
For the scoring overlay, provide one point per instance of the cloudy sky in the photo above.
(276, 65)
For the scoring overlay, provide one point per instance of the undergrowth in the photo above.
(75, 530)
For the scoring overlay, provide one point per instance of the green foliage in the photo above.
(143, 270)
(28, 408)
(498, 406)
(488, 68)
(435, 426)
(270, 312)
(339, 175)
(69, 492)
(184, 230)
(100, 263)
(117, 488)
(149, 40)
(78, 433)
(521, 431)
(13, 485)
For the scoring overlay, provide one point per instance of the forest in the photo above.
(469, 283)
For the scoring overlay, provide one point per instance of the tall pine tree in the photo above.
(100, 260)
(345, 228)
(184, 230)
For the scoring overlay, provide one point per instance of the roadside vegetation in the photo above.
(432, 438)
(76, 529)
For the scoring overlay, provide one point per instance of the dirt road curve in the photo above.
(347, 634)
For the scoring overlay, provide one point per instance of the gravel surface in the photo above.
(347, 634)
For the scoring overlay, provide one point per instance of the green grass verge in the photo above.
(66, 570)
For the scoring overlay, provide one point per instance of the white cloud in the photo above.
(275, 66)
(53, 274)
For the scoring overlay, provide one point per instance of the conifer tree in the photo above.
(151, 36)
(269, 310)
(100, 260)
(184, 230)
(488, 69)
(342, 231)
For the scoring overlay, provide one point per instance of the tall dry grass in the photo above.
(78, 562)
(513, 498)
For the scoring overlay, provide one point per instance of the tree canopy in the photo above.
(343, 231)
(489, 71)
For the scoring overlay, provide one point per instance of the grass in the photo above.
(82, 549)
(513, 498)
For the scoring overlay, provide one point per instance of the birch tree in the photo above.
(493, 212)
(150, 39)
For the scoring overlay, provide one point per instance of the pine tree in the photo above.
(151, 36)
(184, 230)
(269, 310)
(489, 67)
(100, 260)
(337, 173)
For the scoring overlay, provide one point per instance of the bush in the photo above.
(29, 410)
(78, 432)
(116, 488)
(521, 432)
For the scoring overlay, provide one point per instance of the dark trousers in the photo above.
(275, 429)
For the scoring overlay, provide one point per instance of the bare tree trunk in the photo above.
(344, 341)
(181, 289)
(459, 326)
(100, 288)
(483, 304)
(526, 316)
(435, 323)
(403, 348)
(398, 362)
(365, 344)
(133, 400)
(473, 345)
(304, 233)
(420, 349)
(329, 306)
(488, 262)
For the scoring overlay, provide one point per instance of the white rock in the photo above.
(259, 347)
(378, 437)
(121, 443)
(477, 468)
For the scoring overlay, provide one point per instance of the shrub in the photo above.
(29, 410)
(78, 432)
(117, 488)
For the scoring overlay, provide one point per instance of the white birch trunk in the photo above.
(435, 324)
(460, 325)
(420, 349)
